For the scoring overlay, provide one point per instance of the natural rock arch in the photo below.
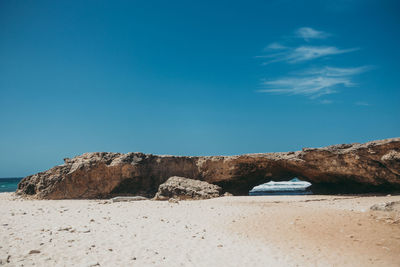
(355, 168)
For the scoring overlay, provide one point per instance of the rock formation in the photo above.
(183, 188)
(352, 168)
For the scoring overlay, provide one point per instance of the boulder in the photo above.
(181, 188)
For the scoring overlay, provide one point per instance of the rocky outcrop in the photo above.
(351, 168)
(183, 188)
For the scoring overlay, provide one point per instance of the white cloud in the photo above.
(338, 72)
(309, 86)
(309, 33)
(313, 83)
(305, 53)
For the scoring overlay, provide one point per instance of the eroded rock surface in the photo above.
(182, 188)
(350, 168)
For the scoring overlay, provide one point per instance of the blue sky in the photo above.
(193, 77)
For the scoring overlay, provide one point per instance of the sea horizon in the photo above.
(9, 184)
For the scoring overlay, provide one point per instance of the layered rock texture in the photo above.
(351, 168)
(183, 188)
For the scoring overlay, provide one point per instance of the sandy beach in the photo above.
(228, 231)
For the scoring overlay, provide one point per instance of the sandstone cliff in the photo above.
(352, 168)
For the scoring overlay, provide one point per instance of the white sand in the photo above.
(229, 231)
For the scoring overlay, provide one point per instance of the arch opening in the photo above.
(136, 186)
(241, 186)
(294, 186)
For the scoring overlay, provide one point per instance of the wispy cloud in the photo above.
(313, 83)
(280, 52)
(310, 82)
(338, 72)
(303, 53)
(308, 33)
(362, 103)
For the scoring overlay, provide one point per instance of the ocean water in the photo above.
(287, 193)
(9, 184)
